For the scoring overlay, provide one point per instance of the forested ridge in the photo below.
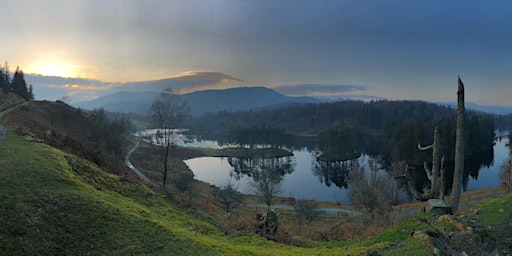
(311, 119)
(345, 129)
(389, 130)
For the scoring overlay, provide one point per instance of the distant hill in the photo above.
(233, 99)
(137, 102)
(243, 98)
(500, 110)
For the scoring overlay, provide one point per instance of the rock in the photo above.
(372, 252)
(421, 236)
(437, 204)
(448, 219)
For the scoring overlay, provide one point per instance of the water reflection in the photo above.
(255, 167)
(302, 176)
(337, 172)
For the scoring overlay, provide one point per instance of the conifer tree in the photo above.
(31, 92)
(19, 86)
(4, 78)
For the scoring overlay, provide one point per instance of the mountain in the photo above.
(500, 110)
(137, 102)
(242, 98)
(233, 99)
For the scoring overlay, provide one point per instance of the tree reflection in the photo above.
(266, 173)
(251, 167)
(336, 172)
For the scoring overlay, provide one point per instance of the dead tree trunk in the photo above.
(441, 180)
(410, 183)
(433, 176)
(459, 148)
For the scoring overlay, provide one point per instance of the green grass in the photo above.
(496, 212)
(496, 216)
(55, 203)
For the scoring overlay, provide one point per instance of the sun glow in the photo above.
(56, 70)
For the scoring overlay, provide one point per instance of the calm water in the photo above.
(489, 176)
(302, 183)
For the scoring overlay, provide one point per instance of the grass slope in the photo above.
(54, 203)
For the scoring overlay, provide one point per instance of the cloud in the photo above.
(55, 87)
(317, 90)
(186, 82)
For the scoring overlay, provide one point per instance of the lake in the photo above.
(308, 179)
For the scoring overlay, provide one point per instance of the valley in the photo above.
(79, 199)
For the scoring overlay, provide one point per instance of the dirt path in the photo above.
(132, 167)
(5, 112)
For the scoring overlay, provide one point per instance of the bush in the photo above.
(228, 197)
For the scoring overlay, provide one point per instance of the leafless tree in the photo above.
(267, 181)
(305, 211)
(370, 192)
(166, 114)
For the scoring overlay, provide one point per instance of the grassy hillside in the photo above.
(71, 130)
(8, 100)
(55, 203)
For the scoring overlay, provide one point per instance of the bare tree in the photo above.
(433, 175)
(267, 177)
(396, 172)
(166, 114)
(370, 192)
(305, 211)
(459, 148)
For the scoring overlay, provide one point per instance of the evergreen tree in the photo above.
(4, 78)
(19, 86)
(31, 92)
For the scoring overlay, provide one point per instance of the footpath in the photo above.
(2, 114)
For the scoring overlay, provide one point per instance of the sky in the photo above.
(373, 49)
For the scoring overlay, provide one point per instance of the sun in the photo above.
(58, 70)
